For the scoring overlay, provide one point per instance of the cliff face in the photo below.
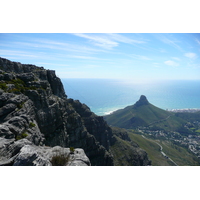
(33, 105)
(35, 111)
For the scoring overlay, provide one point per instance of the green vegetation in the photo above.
(71, 150)
(152, 149)
(22, 135)
(3, 86)
(189, 116)
(19, 86)
(198, 131)
(19, 106)
(177, 133)
(177, 153)
(124, 153)
(60, 160)
(31, 125)
(146, 115)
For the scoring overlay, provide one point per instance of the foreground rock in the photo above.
(25, 153)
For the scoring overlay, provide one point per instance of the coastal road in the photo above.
(161, 150)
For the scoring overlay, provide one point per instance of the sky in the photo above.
(135, 56)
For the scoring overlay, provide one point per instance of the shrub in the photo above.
(3, 86)
(31, 125)
(22, 135)
(59, 160)
(71, 150)
(20, 105)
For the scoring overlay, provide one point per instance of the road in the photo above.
(161, 150)
(161, 120)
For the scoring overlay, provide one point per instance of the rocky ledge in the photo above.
(25, 153)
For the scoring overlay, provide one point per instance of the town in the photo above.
(190, 140)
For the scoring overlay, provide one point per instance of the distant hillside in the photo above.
(143, 113)
(181, 155)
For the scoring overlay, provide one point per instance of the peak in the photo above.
(142, 101)
(143, 98)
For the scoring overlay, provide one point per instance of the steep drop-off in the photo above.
(35, 108)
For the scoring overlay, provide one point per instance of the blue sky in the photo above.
(133, 56)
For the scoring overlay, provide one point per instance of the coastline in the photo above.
(188, 110)
(184, 110)
(104, 97)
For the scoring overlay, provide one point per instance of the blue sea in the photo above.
(104, 96)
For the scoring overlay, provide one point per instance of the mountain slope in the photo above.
(142, 113)
(126, 152)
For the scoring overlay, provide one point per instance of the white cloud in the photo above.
(198, 41)
(108, 41)
(170, 41)
(53, 45)
(100, 41)
(121, 38)
(171, 63)
(191, 55)
(82, 57)
(16, 53)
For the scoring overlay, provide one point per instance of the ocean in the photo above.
(104, 96)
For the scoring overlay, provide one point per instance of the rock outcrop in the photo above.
(25, 153)
(142, 101)
(36, 117)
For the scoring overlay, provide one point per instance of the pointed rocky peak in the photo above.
(142, 101)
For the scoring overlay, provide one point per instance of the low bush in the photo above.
(31, 125)
(22, 135)
(3, 86)
(59, 160)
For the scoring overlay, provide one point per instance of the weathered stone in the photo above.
(7, 109)
(26, 77)
(25, 153)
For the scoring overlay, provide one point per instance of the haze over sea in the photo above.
(104, 96)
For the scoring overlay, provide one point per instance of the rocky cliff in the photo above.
(36, 116)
